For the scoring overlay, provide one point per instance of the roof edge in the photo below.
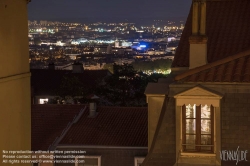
(66, 129)
(199, 87)
(213, 64)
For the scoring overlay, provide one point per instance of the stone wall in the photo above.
(163, 148)
(235, 124)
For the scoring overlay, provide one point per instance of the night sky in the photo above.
(76, 9)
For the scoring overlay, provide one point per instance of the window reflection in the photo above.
(190, 139)
(206, 140)
(190, 126)
(205, 126)
(190, 111)
(205, 111)
(198, 127)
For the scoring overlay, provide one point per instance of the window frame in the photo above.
(197, 133)
(197, 95)
(138, 160)
(89, 157)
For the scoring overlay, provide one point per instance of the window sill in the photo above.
(197, 154)
(198, 159)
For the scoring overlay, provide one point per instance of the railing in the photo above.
(195, 145)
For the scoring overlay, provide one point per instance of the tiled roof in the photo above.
(227, 29)
(45, 82)
(234, 68)
(113, 126)
(48, 122)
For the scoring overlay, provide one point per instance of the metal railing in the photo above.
(195, 145)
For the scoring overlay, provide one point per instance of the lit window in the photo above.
(197, 128)
(43, 101)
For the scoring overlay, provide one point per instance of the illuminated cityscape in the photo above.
(100, 43)
(125, 83)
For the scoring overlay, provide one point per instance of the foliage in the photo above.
(126, 70)
(162, 64)
(71, 86)
(126, 86)
(109, 66)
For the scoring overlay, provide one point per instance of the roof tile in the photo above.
(48, 122)
(234, 70)
(113, 126)
(226, 37)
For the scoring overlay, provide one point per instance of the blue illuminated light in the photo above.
(142, 46)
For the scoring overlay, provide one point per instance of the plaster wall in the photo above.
(155, 104)
(14, 38)
(15, 119)
(198, 55)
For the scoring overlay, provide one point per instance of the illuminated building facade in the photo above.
(202, 109)
(15, 118)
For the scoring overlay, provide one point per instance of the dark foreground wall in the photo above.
(112, 157)
(235, 125)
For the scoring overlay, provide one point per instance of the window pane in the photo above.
(190, 126)
(205, 126)
(205, 111)
(209, 148)
(190, 139)
(190, 111)
(206, 140)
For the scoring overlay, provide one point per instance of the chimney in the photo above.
(92, 109)
(77, 67)
(51, 66)
(198, 39)
(92, 105)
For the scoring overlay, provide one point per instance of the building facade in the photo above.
(199, 114)
(15, 119)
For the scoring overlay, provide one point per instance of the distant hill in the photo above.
(146, 21)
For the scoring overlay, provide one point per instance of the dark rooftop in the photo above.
(227, 29)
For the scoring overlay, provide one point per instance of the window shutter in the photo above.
(184, 126)
(198, 127)
(212, 126)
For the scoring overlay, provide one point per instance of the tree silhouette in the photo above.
(71, 87)
(126, 86)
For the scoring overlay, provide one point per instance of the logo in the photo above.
(227, 155)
